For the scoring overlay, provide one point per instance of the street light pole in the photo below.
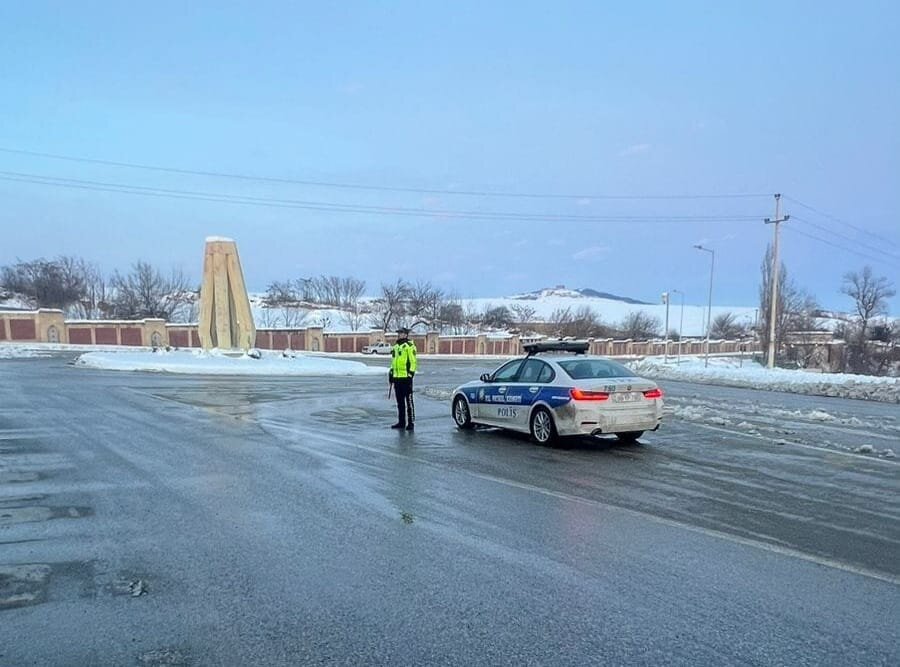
(773, 297)
(680, 324)
(665, 298)
(712, 265)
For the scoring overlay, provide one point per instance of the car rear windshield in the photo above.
(586, 369)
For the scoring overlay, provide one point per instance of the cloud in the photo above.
(591, 254)
(635, 149)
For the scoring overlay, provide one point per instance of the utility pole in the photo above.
(665, 298)
(773, 296)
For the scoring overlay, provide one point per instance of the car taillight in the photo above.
(581, 395)
(653, 393)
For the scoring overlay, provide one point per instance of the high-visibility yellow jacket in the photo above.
(403, 360)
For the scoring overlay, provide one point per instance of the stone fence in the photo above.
(50, 326)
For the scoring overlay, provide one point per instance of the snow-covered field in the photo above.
(728, 371)
(544, 303)
(197, 362)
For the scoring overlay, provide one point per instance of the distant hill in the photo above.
(562, 291)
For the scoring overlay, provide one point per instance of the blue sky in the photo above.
(586, 98)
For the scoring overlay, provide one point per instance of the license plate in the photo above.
(626, 396)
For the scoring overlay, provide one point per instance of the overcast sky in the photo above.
(589, 99)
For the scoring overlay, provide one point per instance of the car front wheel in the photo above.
(461, 414)
(543, 430)
(629, 436)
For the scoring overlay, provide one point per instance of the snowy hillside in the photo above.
(545, 302)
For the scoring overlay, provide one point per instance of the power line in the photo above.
(842, 222)
(879, 260)
(868, 248)
(337, 207)
(376, 188)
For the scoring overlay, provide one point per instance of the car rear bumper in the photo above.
(602, 422)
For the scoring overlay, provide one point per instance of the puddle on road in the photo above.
(26, 584)
(23, 585)
(15, 514)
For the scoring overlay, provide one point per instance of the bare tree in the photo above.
(795, 309)
(726, 325)
(870, 296)
(145, 292)
(559, 321)
(352, 290)
(55, 283)
(496, 317)
(354, 316)
(639, 325)
(389, 308)
(280, 292)
(523, 314)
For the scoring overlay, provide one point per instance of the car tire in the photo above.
(462, 416)
(542, 427)
(630, 437)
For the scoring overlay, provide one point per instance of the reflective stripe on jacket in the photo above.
(403, 360)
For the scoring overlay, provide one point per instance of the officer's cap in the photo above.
(403, 330)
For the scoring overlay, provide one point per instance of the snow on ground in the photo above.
(197, 362)
(19, 352)
(728, 371)
(611, 311)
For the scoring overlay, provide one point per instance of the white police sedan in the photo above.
(557, 390)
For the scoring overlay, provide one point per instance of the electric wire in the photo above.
(336, 207)
(376, 188)
(861, 244)
(842, 222)
(794, 230)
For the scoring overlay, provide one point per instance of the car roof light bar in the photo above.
(556, 346)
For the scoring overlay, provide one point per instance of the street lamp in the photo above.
(712, 265)
(665, 300)
(680, 323)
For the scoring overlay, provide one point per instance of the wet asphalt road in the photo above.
(159, 520)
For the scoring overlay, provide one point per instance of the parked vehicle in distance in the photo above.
(568, 393)
(378, 348)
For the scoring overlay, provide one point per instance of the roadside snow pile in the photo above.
(16, 352)
(727, 371)
(198, 362)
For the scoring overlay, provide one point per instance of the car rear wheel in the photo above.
(461, 414)
(629, 436)
(543, 430)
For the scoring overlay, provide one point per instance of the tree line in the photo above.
(82, 290)
(872, 342)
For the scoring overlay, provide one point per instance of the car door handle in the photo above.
(501, 390)
(534, 390)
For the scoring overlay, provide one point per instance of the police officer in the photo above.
(403, 368)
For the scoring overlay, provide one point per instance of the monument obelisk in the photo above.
(226, 321)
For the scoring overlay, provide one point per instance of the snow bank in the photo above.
(18, 352)
(727, 371)
(197, 362)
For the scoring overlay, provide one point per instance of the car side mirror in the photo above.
(485, 377)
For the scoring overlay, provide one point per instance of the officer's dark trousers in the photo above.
(406, 409)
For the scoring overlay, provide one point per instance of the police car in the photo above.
(558, 390)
